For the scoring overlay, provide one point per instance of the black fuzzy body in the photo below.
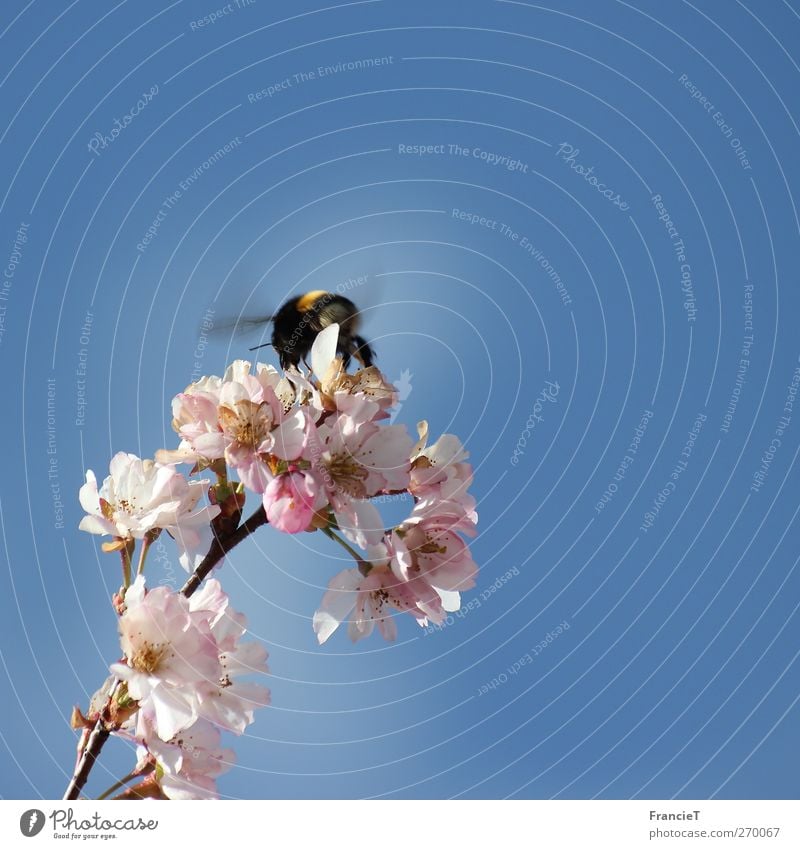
(295, 328)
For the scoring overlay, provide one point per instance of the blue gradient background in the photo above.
(678, 675)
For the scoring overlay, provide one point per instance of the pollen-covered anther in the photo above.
(432, 547)
(348, 474)
(148, 657)
(248, 423)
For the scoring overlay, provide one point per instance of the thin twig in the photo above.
(220, 547)
(100, 733)
(363, 566)
(91, 752)
(122, 782)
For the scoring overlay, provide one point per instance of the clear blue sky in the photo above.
(579, 194)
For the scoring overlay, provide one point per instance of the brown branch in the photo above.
(100, 733)
(90, 754)
(220, 547)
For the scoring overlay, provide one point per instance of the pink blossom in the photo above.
(194, 417)
(228, 701)
(367, 601)
(354, 461)
(439, 474)
(241, 417)
(168, 653)
(289, 501)
(253, 424)
(365, 395)
(182, 659)
(427, 545)
(140, 496)
(189, 763)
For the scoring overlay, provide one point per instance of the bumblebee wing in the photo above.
(241, 324)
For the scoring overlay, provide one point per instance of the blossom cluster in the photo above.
(183, 663)
(316, 450)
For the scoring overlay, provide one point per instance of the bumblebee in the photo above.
(296, 324)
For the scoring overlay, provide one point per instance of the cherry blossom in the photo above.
(365, 395)
(188, 764)
(289, 501)
(428, 545)
(240, 418)
(168, 653)
(420, 567)
(439, 474)
(182, 657)
(316, 450)
(194, 417)
(355, 460)
(140, 496)
(228, 701)
(367, 601)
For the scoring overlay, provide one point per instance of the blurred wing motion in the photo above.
(299, 320)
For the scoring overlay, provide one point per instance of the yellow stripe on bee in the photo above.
(308, 300)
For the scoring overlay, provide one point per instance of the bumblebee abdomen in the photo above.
(337, 310)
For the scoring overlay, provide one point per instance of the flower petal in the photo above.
(337, 603)
(323, 351)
